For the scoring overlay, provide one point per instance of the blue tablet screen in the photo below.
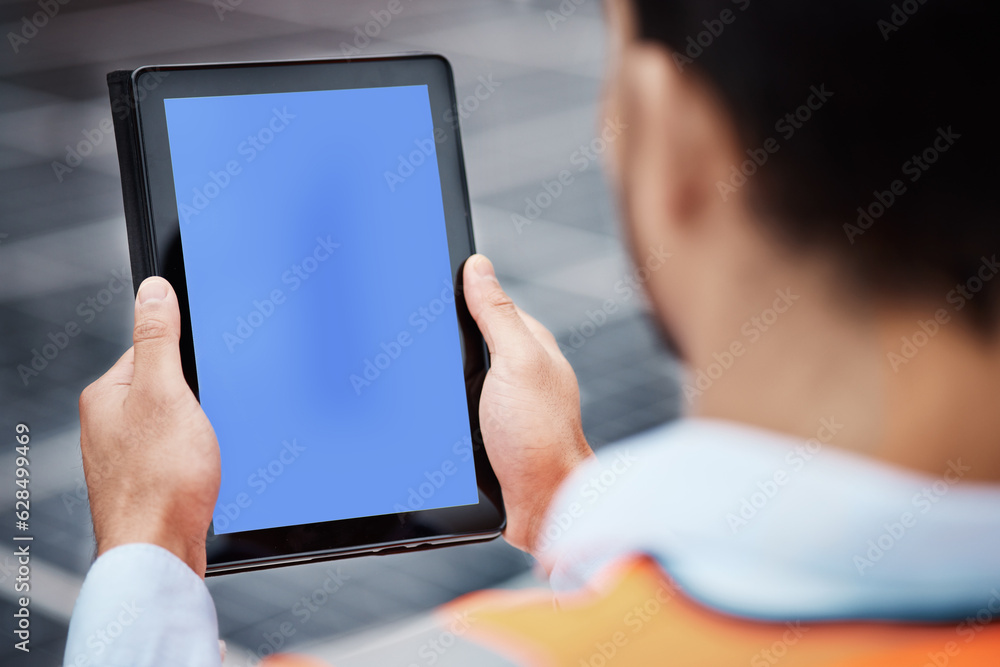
(322, 306)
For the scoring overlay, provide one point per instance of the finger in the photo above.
(117, 376)
(157, 335)
(121, 373)
(497, 316)
(541, 334)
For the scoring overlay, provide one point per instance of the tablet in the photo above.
(313, 217)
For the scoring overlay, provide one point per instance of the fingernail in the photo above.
(152, 290)
(483, 267)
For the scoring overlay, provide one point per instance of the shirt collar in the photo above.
(763, 525)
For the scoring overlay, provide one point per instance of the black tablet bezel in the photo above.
(380, 534)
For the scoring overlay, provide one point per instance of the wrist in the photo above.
(189, 548)
(532, 520)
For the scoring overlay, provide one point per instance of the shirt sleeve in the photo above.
(142, 606)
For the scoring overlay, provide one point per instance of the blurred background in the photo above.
(62, 241)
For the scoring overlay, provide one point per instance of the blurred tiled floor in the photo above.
(62, 241)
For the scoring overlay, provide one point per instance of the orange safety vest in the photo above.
(635, 616)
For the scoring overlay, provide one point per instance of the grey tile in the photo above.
(498, 99)
(586, 203)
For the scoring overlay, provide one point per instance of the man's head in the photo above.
(822, 174)
(856, 134)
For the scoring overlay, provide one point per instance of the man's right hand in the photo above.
(530, 407)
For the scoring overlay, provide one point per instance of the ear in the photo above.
(681, 144)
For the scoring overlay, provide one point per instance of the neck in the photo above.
(942, 395)
(789, 355)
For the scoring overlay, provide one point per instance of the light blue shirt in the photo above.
(744, 520)
(143, 606)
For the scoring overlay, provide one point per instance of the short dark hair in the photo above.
(888, 80)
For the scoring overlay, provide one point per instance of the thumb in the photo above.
(491, 308)
(157, 334)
